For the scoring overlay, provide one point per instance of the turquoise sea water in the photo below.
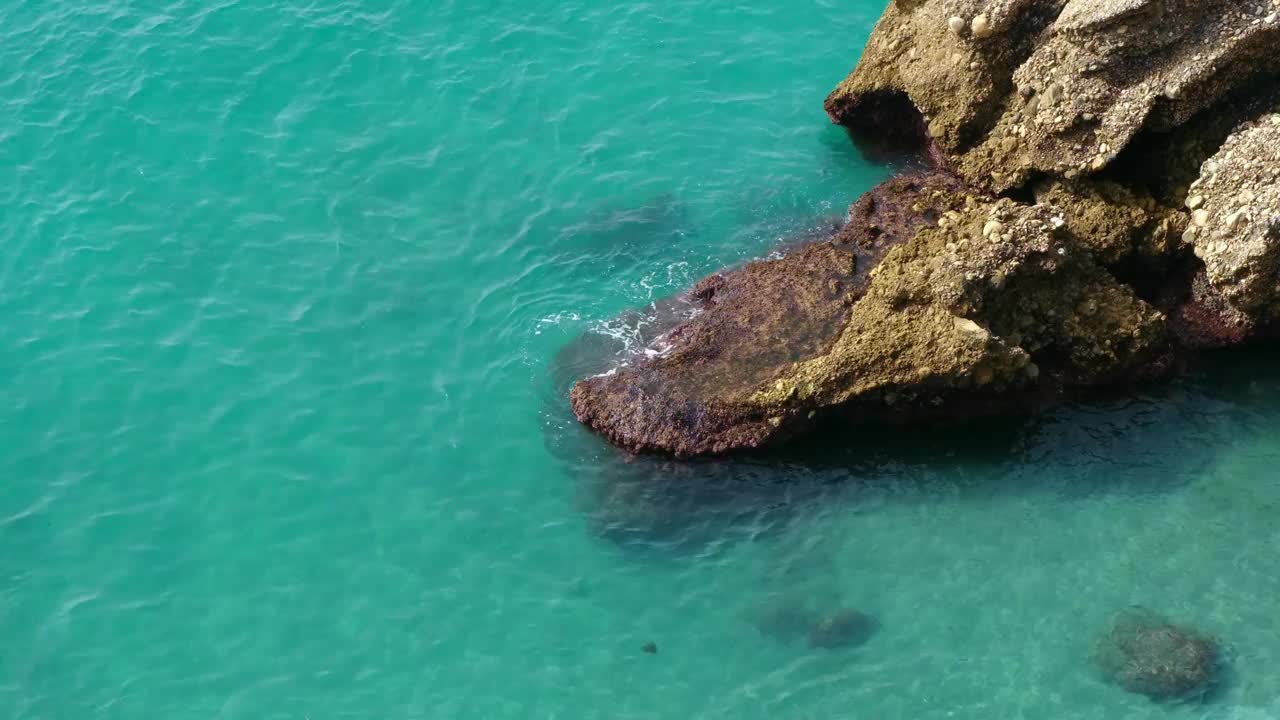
(293, 290)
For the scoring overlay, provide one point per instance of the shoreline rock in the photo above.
(1060, 241)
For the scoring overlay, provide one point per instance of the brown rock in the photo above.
(1050, 249)
(919, 328)
(1239, 241)
(1132, 65)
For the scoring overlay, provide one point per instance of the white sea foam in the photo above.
(556, 319)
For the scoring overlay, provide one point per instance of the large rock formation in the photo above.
(1062, 239)
(1011, 89)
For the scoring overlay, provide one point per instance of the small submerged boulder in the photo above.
(844, 628)
(789, 619)
(1146, 654)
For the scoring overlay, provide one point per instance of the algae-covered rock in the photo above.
(985, 309)
(1144, 653)
(697, 391)
(693, 393)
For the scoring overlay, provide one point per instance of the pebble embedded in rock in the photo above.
(980, 27)
(956, 24)
(1054, 93)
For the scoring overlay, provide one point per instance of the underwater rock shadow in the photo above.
(679, 508)
(1077, 450)
(611, 235)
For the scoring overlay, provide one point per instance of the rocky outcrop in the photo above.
(694, 393)
(1012, 89)
(1235, 228)
(698, 389)
(933, 302)
(1061, 240)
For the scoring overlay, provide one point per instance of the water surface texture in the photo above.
(293, 291)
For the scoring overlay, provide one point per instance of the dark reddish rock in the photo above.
(694, 396)
(933, 301)
(1207, 320)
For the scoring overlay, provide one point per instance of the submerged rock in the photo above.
(843, 628)
(789, 619)
(1039, 256)
(1144, 653)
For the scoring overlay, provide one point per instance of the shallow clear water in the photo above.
(293, 290)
